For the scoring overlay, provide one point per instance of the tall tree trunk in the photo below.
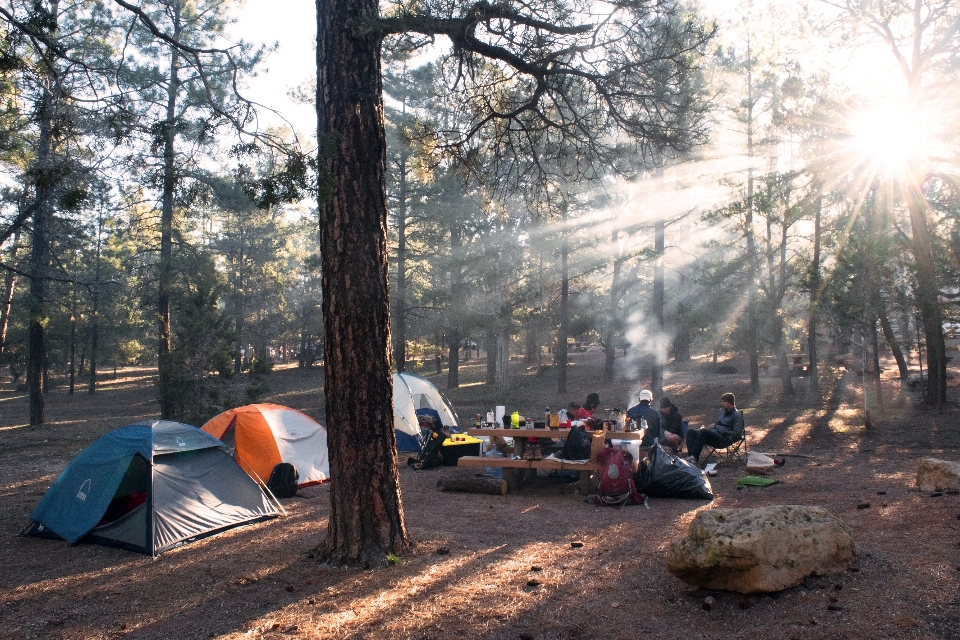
(9, 282)
(167, 403)
(491, 345)
(786, 381)
(366, 521)
(656, 375)
(681, 344)
(752, 346)
(94, 346)
(454, 333)
(813, 377)
(609, 339)
(40, 256)
(563, 329)
(238, 345)
(927, 294)
(892, 340)
(398, 309)
(73, 352)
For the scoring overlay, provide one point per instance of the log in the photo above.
(473, 484)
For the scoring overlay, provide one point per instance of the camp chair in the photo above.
(734, 451)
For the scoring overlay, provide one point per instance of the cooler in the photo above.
(458, 445)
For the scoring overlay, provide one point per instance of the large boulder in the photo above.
(760, 550)
(933, 474)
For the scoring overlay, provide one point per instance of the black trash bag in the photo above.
(667, 476)
(577, 445)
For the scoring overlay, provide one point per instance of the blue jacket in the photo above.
(652, 416)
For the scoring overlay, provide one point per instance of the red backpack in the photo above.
(616, 480)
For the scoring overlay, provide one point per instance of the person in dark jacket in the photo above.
(726, 430)
(671, 425)
(643, 411)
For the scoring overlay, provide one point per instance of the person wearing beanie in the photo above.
(643, 411)
(726, 430)
(671, 425)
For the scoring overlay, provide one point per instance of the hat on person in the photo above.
(647, 395)
(665, 402)
(729, 397)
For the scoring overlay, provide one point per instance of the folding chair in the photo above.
(733, 451)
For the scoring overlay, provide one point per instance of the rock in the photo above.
(934, 474)
(760, 550)
(708, 603)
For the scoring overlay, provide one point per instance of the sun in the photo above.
(890, 137)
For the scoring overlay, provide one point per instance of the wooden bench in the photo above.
(585, 469)
(515, 470)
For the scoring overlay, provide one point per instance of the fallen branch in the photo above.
(473, 484)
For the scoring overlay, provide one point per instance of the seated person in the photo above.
(644, 412)
(726, 430)
(589, 406)
(671, 425)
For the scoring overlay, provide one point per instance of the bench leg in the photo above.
(512, 477)
(584, 483)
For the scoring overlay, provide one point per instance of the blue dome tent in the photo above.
(149, 487)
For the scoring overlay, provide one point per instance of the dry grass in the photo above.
(511, 571)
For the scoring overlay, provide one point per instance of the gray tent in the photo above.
(148, 487)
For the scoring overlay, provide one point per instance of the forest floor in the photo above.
(261, 581)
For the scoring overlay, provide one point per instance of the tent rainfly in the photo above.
(149, 487)
(263, 435)
(412, 394)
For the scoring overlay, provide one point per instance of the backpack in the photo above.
(429, 456)
(616, 480)
(283, 480)
(577, 446)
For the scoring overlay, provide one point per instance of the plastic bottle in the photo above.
(563, 416)
(515, 419)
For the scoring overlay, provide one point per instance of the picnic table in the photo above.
(514, 470)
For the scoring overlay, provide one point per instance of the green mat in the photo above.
(755, 481)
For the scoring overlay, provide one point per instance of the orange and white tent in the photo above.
(264, 435)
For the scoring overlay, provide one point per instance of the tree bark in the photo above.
(73, 352)
(366, 519)
(927, 294)
(454, 333)
(609, 346)
(563, 329)
(752, 346)
(892, 341)
(10, 282)
(399, 308)
(813, 378)
(165, 279)
(40, 258)
(656, 375)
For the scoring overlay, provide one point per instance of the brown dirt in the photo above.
(259, 581)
